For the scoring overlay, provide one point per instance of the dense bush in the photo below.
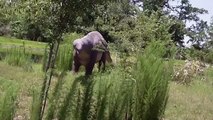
(130, 34)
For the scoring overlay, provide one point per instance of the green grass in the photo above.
(193, 102)
(15, 41)
(113, 94)
(32, 47)
(25, 81)
(8, 93)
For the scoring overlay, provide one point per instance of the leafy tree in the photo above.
(62, 16)
(32, 20)
(209, 44)
(5, 16)
(183, 13)
(180, 13)
(198, 34)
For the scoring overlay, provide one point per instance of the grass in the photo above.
(111, 95)
(146, 96)
(185, 102)
(8, 99)
(25, 81)
(33, 47)
(193, 102)
(15, 41)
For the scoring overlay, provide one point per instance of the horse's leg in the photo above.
(103, 59)
(76, 64)
(90, 65)
(99, 65)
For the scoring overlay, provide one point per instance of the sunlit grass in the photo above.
(192, 102)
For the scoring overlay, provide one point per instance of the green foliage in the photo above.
(55, 98)
(68, 38)
(198, 34)
(45, 58)
(121, 94)
(153, 5)
(128, 29)
(64, 58)
(209, 57)
(32, 20)
(8, 101)
(35, 49)
(35, 106)
(152, 76)
(18, 57)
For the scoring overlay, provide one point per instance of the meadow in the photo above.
(126, 91)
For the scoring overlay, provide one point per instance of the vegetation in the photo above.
(36, 56)
(8, 99)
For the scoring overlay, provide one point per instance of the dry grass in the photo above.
(193, 102)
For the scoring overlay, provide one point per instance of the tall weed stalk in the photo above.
(64, 57)
(35, 106)
(54, 100)
(8, 102)
(152, 75)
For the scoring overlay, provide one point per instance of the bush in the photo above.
(70, 37)
(185, 74)
(152, 75)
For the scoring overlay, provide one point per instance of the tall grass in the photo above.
(17, 56)
(8, 102)
(35, 106)
(140, 94)
(152, 75)
(64, 57)
(63, 60)
(54, 99)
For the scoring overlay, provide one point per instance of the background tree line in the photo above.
(127, 24)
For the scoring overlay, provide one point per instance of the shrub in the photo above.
(70, 37)
(152, 75)
(184, 74)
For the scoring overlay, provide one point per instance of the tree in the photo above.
(183, 13)
(198, 34)
(5, 17)
(180, 14)
(209, 43)
(62, 16)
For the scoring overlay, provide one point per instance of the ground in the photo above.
(186, 102)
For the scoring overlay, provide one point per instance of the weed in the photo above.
(17, 56)
(8, 102)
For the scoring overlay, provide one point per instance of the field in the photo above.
(185, 102)
(36, 48)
